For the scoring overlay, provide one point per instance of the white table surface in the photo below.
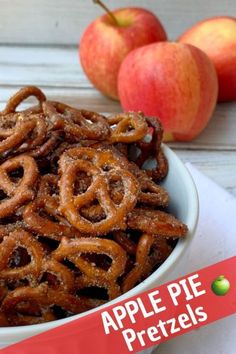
(214, 241)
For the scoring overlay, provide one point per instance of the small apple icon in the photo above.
(220, 286)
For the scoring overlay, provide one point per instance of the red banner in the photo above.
(146, 320)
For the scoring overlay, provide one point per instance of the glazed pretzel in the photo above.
(127, 127)
(150, 192)
(64, 277)
(161, 245)
(3, 320)
(72, 249)
(21, 192)
(122, 238)
(53, 139)
(161, 170)
(3, 292)
(159, 222)
(22, 95)
(20, 238)
(37, 216)
(150, 251)
(9, 123)
(47, 201)
(43, 298)
(79, 124)
(48, 187)
(19, 134)
(99, 189)
(55, 156)
(149, 149)
(142, 263)
(38, 134)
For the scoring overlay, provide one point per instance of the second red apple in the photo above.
(173, 81)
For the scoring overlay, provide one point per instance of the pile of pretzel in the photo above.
(81, 219)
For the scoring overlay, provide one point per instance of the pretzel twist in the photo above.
(127, 128)
(20, 192)
(44, 299)
(20, 238)
(79, 124)
(22, 95)
(73, 249)
(94, 163)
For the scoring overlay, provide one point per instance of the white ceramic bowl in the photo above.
(183, 204)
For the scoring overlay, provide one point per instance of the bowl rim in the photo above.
(165, 267)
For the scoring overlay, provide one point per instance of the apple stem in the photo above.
(100, 3)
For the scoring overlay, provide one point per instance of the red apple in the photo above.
(105, 44)
(217, 38)
(173, 81)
